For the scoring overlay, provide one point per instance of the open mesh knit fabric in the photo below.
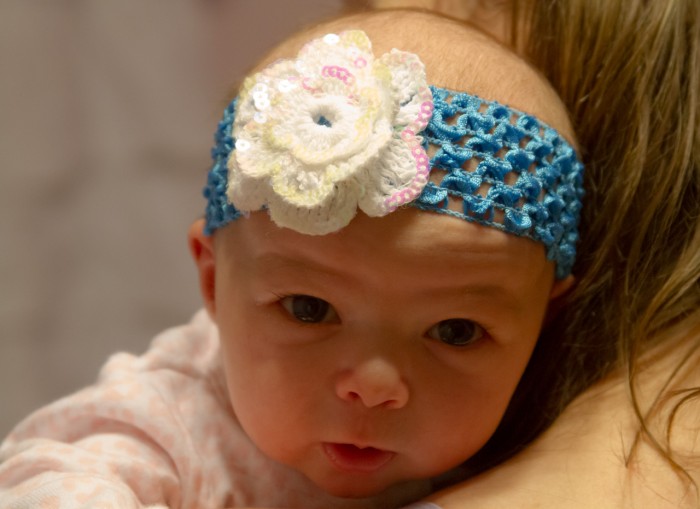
(490, 164)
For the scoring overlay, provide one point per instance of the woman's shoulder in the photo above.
(595, 456)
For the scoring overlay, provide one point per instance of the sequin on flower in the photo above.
(330, 132)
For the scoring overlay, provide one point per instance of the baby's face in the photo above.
(383, 353)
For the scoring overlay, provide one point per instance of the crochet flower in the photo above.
(330, 132)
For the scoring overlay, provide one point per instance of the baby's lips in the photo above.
(351, 458)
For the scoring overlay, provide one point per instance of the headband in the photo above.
(335, 130)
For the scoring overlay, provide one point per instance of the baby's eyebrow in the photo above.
(273, 261)
(505, 297)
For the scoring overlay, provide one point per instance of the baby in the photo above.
(381, 248)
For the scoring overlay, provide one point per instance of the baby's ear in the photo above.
(559, 289)
(202, 251)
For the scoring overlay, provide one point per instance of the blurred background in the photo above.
(107, 111)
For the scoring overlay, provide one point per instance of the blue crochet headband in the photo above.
(335, 130)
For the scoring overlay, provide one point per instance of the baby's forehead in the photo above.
(456, 56)
(424, 245)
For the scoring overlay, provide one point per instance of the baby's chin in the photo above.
(393, 495)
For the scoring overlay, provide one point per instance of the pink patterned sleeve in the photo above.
(65, 457)
(125, 443)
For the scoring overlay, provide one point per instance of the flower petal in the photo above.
(398, 177)
(409, 86)
(331, 128)
(330, 216)
(245, 193)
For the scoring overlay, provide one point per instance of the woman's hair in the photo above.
(629, 74)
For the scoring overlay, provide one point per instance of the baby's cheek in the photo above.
(258, 398)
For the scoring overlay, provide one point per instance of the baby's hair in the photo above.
(485, 67)
(442, 41)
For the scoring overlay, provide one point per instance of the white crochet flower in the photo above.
(334, 130)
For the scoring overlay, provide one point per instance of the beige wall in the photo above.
(107, 110)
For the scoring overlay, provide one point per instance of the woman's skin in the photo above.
(588, 457)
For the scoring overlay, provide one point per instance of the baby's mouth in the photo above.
(351, 458)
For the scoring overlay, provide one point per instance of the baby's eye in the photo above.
(306, 308)
(456, 332)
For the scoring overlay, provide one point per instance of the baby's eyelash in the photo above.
(309, 309)
(457, 332)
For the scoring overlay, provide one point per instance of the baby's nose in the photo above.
(375, 382)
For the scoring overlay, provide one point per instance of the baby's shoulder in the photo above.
(191, 350)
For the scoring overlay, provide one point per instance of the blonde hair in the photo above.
(629, 73)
